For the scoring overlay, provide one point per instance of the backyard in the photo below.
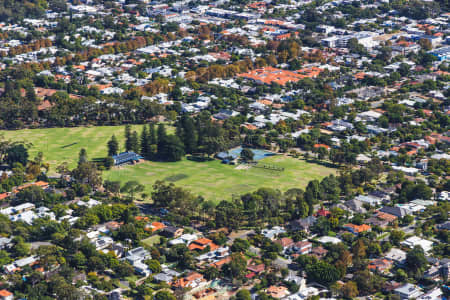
(216, 181)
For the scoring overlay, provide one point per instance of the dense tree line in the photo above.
(197, 136)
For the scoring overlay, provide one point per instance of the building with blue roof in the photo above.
(129, 157)
(441, 53)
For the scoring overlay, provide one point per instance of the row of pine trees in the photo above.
(153, 143)
(198, 136)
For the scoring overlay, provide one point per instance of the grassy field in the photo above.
(63, 144)
(216, 181)
(213, 180)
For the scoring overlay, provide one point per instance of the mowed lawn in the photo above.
(63, 144)
(216, 181)
(213, 180)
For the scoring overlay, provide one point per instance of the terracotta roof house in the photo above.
(381, 265)
(201, 244)
(285, 242)
(385, 216)
(321, 146)
(6, 295)
(268, 75)
(256, 268)
(155, 226)
(219, 264)
(357, 229)
(277, 292)
(319, 252)
(323, 212)
(191, 280)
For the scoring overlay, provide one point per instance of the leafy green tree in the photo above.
(132, 187)
(17, 154)
(236, 267)
(20, 248)
(240, 245)
(367, 282)
(350, 290)
(322, 272)
(211, 273)
(416, 262)
(247, 155)
(87, 173)
(243, 295)
(154, 266)
(164, 295)
(33, 194)
(112, 186)
(124, 269)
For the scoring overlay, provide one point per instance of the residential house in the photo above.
(6, 295)
(172, 231)
(273, 232)
(277, 291)
(103, 242)
(136, 257)
(302, 247)
(399, 212)
(396, 255)
(408, 291)
(256, 269)
(5, 242)
(381, 219)
(444, 226)
(201, 244)
(323, 213)
(381, 265)
(319, 252)
(374, 221)
(20, 263)
(155, 226)
(167, 275)
(356, 206)
(433, 294)
(191, 280)
(357, 229)
(186, 238)
(416, 241)
(329, 239)
(303, 224)
(285, 242)
(369, 199)
(433, 273)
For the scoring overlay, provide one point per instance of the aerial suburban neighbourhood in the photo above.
(224, 149)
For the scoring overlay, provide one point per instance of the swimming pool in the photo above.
(259, 153)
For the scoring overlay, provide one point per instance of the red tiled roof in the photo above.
(5, 293)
